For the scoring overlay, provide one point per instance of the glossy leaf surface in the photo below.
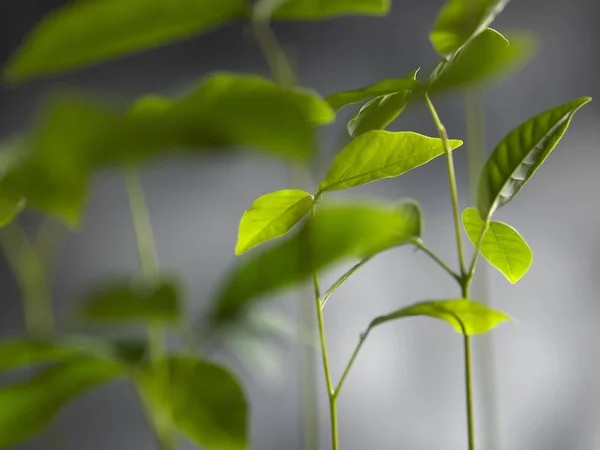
(127, 300)
(385, 87)
(465, 316)
(335, 233)
(325, 9)
(29, 406)
(271, 216)
(484, 59)
(381, 154)
(83, 33)
(459, 21)
(203, 401)
(516, 157)
(502, 245)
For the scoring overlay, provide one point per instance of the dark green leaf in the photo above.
(10, 207)
(484, 59)
(16, 353)
(516, 158)
(386, 87)
(83, 33)
(28, 407)
(502, 245)
(202, 400)
(271, 216)
(127, 300)
(459, 21)
(465, 316)
(335, 233)
(381, 154)
(378, 113)
(325, 9)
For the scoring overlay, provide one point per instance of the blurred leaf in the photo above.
(381, 154)
(203, 401)
(484, 59)
(325, 9)
(385, 87)
(335, 233)
(465, 316)
(516, 158)
(10, 208)
(28, 407)
(16, 353)
(127, 300)
(77, 135)
(271, 216)
(502, 245)
(83, 33)
(460, 21)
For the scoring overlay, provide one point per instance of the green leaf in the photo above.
(83, 33)
(271, 216)
(78, 135)
(385, 87)
(460, 21)
(335, 233)
(9, 209)
(127, 300)
(517, 157)
(502, 245)
(29, 406)
(16, 353)
(484, 59)
(380, 111)
(381, 154)
(465, 316)
(202, 400)
(325, 9)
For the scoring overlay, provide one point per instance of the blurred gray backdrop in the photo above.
(406, 390)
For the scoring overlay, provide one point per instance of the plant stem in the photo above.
(452, 181)
(150, 271)
(277, 61)
(342, 279)
(330, 391)
(363, 338)
(421, 246)
(466, 277)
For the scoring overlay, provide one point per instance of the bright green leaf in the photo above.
(29, 406)
(271, 216)
(381, 154)
(460, 21)
(378, 113)
(335, 233)
(325, 9)
(465, 316)
(126, 300)
(484, 59)
(516, 158)
(502, 245)
(83, 33)
(202, 400)
(386, 87)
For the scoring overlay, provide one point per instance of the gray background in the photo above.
(406, 391)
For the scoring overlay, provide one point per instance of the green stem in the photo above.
(452, 180)
(363, 338)
(421, 246)
(342, 279)
(466, 276)
(330, 390)
(276, 59)
(30, 275)
(150, 271)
